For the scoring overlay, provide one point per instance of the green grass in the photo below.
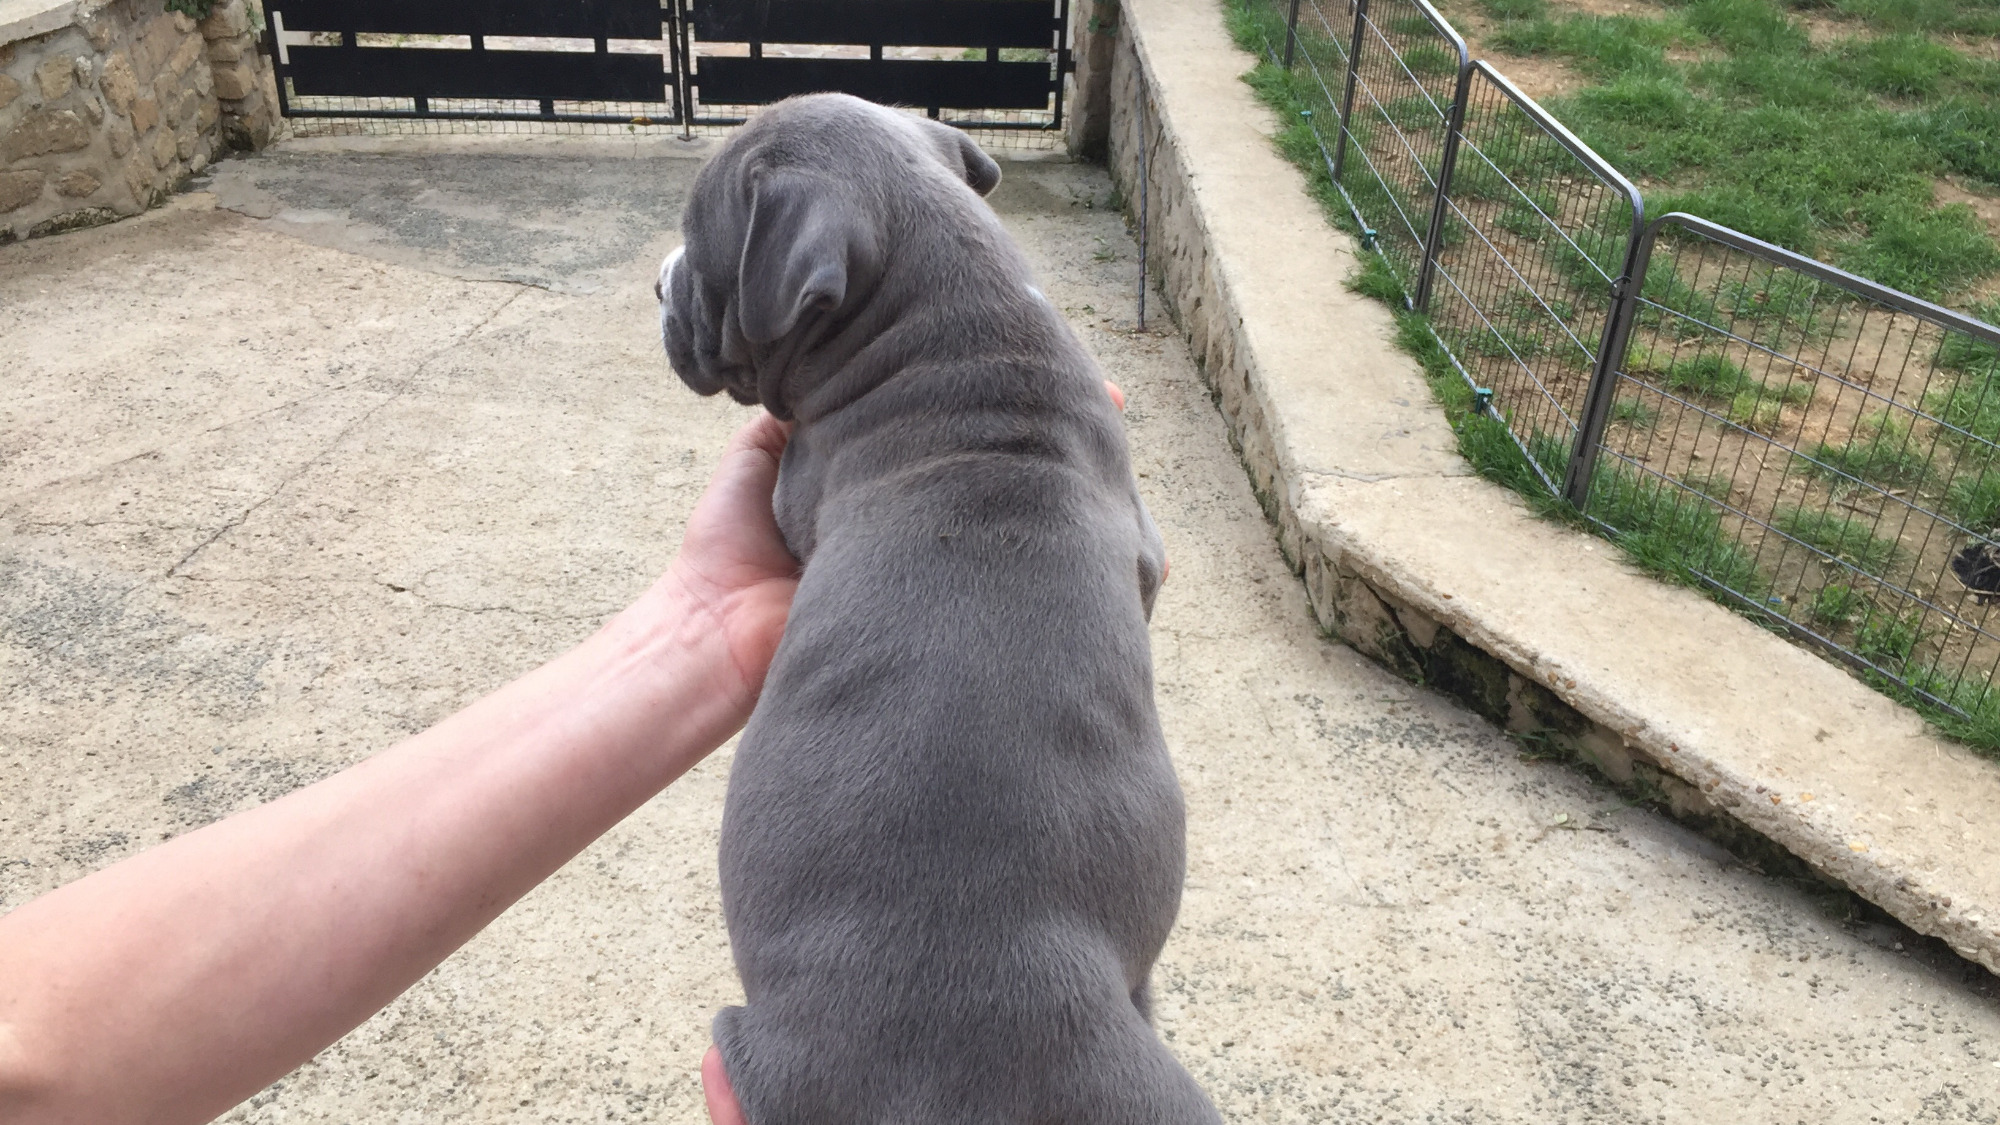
(1889, 639)
(1906, 65)
(1781, 308)
(1962, 17)
(1710, 374)
(1968, 354)
(1973, 501)
(1845, 195)
(1886, 456)
(1852, 541)
(1836, 604)
(1634, 413)
(1979, 723)
(1674, 533)
(1516, 9)
(1755, 411)
(1830, 151)
(1972, 408)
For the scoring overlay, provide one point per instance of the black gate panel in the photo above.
(976, 31)
(326, 69)
(903, 23)
(434, 58)
(564, 19)
(402, 72)
(918, 82)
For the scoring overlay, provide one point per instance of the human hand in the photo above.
(723, 1108)
(733, 569)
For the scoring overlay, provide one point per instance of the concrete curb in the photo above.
(1448, 579)
(25, 19)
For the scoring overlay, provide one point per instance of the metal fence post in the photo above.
(1603, 389)
(1347, 100)
(1434, 237)
(1144, 175)
(1291, 34)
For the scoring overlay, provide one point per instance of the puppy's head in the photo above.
(787, 235)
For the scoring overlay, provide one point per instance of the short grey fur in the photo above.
(953, 844)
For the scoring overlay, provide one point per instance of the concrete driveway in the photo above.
(342, 440)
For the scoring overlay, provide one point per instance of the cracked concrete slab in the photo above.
(407, 485)
(471, 213)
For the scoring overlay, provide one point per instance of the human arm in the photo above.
(172, 985)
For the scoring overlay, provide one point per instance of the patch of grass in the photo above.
(1634, 413)
(1795, 306)
(1888, 639)
(1835, 604)
(1852, 541)
(1602, 46)
(1962, 17)
(1931, 254)
(1587, 259)
(1906, 65)
(1747, 26)
(1978, 725)
(1715, 486)
(1971, 414)
(1429, 60)
(1969, 354)
(1710, 374)
(1755, 411)
(1786, 222)
(1791, 143)
(1787, 81)
(1672, 533)
(1885, 457)
(1973, 500)
(1964, 133)
(1673, 307)
(1516, 9)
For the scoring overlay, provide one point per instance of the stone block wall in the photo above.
(106, 108)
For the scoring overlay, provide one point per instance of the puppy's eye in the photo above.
(658, 294)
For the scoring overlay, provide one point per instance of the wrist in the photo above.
(673, 646)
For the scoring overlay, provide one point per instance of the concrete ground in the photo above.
(344, 440)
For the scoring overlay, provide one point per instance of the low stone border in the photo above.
(1448, 579)
(106, 106)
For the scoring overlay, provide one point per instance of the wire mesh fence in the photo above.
(1406, 68)
(1817, 449)
(1535, 235)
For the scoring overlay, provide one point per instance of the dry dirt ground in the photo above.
(342, 440)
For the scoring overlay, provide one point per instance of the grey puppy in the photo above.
(953, 843)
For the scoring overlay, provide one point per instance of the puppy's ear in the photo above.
(975, 167)
(980, 169)
(797, 255)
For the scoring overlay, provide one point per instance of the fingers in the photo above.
(1117, 396)
(722, 1106)
(762, 433)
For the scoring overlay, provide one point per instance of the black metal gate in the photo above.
(994, 64)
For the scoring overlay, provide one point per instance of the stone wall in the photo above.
(106, 108)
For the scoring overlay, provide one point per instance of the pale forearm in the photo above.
(262, 938)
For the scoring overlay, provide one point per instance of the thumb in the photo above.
(722, 1106)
